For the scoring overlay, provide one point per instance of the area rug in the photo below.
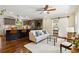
(44, 47)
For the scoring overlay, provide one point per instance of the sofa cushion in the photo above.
(36, 34)
(39, 32)
(44, 31)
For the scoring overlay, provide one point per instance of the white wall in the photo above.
(63, 24)
(77, 21)
(47, 24)
(71, 20)
(1, 24)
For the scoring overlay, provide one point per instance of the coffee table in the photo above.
(52, 37)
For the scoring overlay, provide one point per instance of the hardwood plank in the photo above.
(16, 46)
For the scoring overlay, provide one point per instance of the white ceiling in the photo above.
(30, 10)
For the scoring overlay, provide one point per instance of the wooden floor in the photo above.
(15, 46)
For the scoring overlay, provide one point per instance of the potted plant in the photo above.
(19, 23)
(76, 41)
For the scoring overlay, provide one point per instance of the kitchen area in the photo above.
(15, 28)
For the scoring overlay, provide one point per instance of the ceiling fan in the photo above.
(46, 9)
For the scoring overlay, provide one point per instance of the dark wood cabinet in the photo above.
(35, 24)
(9, 21)
(17, 34)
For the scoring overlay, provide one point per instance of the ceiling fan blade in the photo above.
(51, 9)
(46, 7)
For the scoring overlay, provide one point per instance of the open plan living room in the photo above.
(39, 28)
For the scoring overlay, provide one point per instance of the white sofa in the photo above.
(38, 35)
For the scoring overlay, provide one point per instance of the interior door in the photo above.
(62, 25)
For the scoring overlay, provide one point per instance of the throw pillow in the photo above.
(44, 31)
